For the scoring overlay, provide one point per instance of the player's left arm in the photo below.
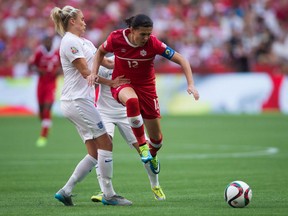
(176, 57)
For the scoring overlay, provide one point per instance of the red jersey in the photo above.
(136, 63)
(48, 63)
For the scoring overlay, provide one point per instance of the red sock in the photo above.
(135, 119)
(154, 146)
(44, 131)
(46, 122)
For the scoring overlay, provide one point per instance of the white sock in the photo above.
(80, 172)
(105, 164)
(152, 176)
(99, 177)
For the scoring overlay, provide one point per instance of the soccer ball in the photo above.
(238, 194)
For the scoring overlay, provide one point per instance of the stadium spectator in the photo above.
(204, 26)
(77, 104)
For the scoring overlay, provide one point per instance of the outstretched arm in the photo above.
(98, 58)
(179, 59)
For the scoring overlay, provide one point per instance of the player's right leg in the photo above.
(128, 97)
(92, 131)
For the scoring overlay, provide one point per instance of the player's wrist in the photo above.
(96, 80)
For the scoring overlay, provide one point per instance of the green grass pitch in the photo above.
(200, 156)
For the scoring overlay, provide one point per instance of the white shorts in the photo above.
(84, 115)
(123, 126)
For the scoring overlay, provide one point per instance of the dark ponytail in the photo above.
(140, 20)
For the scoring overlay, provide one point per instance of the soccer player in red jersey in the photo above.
(46, 62)
(135, 49)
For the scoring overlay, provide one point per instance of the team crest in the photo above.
(100, 125)
(74, 50)
(143, 53)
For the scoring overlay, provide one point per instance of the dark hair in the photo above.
(140, 20)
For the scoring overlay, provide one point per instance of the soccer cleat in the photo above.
(64, 198)
(41, 142)
(155, 165)
(116, 200)
(145, 153)
(158, 193)
(97, 198)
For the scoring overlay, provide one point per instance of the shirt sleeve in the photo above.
(108, 45)
(34, 60)
(74, 50)
(162, 49)
(158, 45)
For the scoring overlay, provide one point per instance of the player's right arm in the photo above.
(82, 66)
(94, 78)
(98, 58)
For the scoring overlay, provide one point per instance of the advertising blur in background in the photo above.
(238, 51)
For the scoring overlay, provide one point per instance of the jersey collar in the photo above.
(125, 35)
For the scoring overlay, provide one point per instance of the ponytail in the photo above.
(62, 16)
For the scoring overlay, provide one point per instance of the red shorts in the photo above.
(45, 95)
(148, 100)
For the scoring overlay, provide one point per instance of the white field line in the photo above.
(253, 153)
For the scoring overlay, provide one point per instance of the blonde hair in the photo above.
(62, 16)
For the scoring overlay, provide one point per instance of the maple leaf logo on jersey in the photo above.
(143, 53)
(74, 50)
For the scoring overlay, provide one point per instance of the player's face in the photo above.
(80, 24)
(48, 42)
(141, 35)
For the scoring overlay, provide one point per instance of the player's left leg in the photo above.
(46, 123)
(110, 128)
(155, 135)
(127, 134)
(155, 141)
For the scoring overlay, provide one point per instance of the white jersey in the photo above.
(75, 86)
(113, 113)
(106, 104)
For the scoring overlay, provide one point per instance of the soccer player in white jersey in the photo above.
(77, 104)
(114, 114)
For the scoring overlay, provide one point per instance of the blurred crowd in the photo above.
(216, 36)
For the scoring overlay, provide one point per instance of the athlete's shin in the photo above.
(155, 145)
(80, 172)
(105, 163)
(135, 119)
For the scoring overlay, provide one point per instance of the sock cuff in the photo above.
(136, 121)
(46, 123)
(105, 153)
(156, 143)
(92, 159)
